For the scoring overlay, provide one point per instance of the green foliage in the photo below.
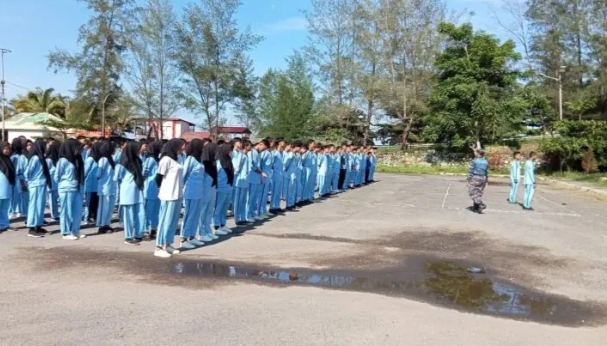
(476, 97)
(40, 100)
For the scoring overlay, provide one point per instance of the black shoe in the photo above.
(42, 230)
(131, 242)
(139, 240)
(528, 209)
(103, 230)
(34, 233)
(482, 206)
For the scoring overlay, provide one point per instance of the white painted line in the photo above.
(446, 195)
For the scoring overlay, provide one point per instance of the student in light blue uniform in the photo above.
(302, 181)
(313, 164)
(117, 157)
(90, 183)
(38, 179)
(129, 176)
(150, 189)
(363, 166)
(106, 187)
(169, 178)
(372, 166)
(52, 157)
(225, 182)
(193, 193)
(19, 160)
(255, 184)
(323, 171)
(266, 159)
(515, 176)
(241, 186)
(335, 168)
(289, 169)
(209, 161)
(69, 174)
(349, 168)
(8, 179)
(278, 173)
(529, 182)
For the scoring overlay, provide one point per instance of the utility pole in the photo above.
(559, 80)
(2, 97)
(103, 114)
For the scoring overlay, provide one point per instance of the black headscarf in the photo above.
(52, 152)
(154, 150)
(107, 150)
(223, 155)
(95, 151)
(70, 150)
(17, 146)
(171, 148)
(195, 149)
(39, 150)
(209, 152)
(132, 162)
(6, 165)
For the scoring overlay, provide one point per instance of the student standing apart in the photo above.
(529, 182)
(69, 174)
(193, 179)
(225, 182)
(241, 184)
(515, 176)
(38, 179)
(52, 157)
(478, 178)
(129, 176)
(150, 189)
(106, 188)
(90, 183)
(8, 179)
(169, 178)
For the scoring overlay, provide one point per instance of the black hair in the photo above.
(246, 143)
(532, 154)
(236, 139)
(265, 142)
(516, 153)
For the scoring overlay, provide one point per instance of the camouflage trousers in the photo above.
(476, 187)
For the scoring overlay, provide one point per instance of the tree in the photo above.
(244, 90)
(209, 46)
(99, 65)
(152, 72)
(39, 101)
(476, 97)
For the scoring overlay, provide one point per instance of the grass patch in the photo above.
(596, 179)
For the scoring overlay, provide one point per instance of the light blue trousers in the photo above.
(134, 220)
(208, 208)
(291, 193)
(529, 191)
(5, 205)
(167, 222)
(335, 182)
(277, 187)
(305, 176)
(300, 182)
(513, 191)
(220, 215)
(348, 180)
(37, 204)
(105, 210)
(285, 183)
(310, 185)
(253, 200)
(191, 218)
(53, 201)
(240, 204)
(322, 183)
(25, 198)
(152, 210)
(263, 198)
(71, 212)
(15, 206)
(372, 173)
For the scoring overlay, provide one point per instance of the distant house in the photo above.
(188, 136)
(231, 131)
(171, 128)
(29, 125)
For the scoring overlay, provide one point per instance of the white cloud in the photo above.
(289, 24)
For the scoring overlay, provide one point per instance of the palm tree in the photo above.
(39, 101)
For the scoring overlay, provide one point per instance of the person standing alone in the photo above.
(529, 181)
(477, 180)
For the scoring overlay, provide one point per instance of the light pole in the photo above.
(103, 114)
(559, 80)
(2, 99)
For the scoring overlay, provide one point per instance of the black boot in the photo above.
(476, 208)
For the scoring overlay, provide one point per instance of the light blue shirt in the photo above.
(479, 166)
(90, 175)
(51, 170)
(288, 162)
(6, 189)
(34, 174)
(515, 171)
(254, 165)
(129, 193)
(20, 163)
(150, 188)
(241, 169)
(106, 185)
(117, 155)
(323, 164)
(85, 154)
(529, 172)
(222, 179)
(363, 161)
(181, 158)
(336, 159)
(277, 165)
(65, 174)
(266, 160)
(194, 179)
(373, 160)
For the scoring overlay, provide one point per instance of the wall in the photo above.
(28, 134)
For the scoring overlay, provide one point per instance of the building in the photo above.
(189, 135)
(171, 128)
(231, 131)
(30, 126)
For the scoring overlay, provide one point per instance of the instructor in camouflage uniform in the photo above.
(478, 178)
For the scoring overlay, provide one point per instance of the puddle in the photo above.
(442, 283)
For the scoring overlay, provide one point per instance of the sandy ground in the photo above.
(98, 291)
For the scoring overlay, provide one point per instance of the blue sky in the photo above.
(32, 28)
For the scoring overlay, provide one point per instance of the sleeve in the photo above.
(59, 170)
(532, 170)
(287, 163)
(163, 167)
(187, 169)
(31, 166)
(102, 163)
(145, 168)
(118, 173)
(51, 167)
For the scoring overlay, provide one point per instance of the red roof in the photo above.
(189, 135)
(233, 129)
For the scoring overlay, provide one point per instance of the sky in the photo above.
(32, 28)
